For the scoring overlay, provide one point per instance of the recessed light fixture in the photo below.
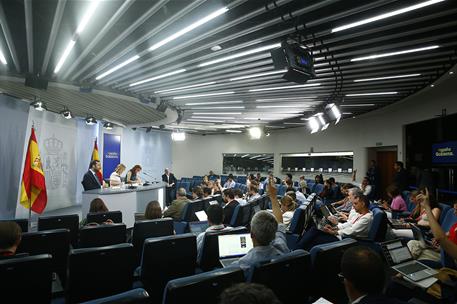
(2, 57)
(426, 48)
(386, 77)
(371, 94)
(287, 87)
(189, 28)
(213, 102)
(178, 136)
(258, 75)
(117, 67)
(386, 15)
(241, 54)
(186, 87)
(157, 77)
(432, 85)
(203, 95)
(451, 73)
(233, 131)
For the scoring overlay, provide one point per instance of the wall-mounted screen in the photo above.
(444, 153)
(341, 162)
(245, 163)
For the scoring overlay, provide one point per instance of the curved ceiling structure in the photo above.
(211, 60)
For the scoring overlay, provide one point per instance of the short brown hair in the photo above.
(136, 167)
(10, 234)
(153, 211)
(287, 201)
(97, 205)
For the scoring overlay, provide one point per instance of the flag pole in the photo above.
(30, 199)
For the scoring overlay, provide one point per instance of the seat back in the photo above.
(70, 222)
(317, 188)
(27, 277)
(54, 242)
(378, 229)
(444, 209)
(148, 229)
(188, 212)
(205, 286)
(101, 217)
(134, 296)
(103, 235)
(325, 263)
(99, 272)
(166, 258)
(298, 220)
(450, 218)
(241, 216)
(288, 272)
(210, 253)
(23, 223)
(282, 190)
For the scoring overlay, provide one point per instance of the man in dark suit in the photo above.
(364, 276)
(401, 179)
(170, 180)
(230, 205)
(90, 180)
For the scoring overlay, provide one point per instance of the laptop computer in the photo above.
(201, 215)
(198, 227)
(232, 247)
(399, 224)
(400, 259)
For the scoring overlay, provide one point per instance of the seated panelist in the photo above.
(115, 177)
(133, 175)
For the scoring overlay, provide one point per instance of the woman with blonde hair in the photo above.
(288, 207)
(115, 177)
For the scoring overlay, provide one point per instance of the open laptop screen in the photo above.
(234, 245)
(400, 255)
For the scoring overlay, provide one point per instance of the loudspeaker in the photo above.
(297, 59)
(36, 82)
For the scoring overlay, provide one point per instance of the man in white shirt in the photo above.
(239, 197)
(252, 193)
(230, 183)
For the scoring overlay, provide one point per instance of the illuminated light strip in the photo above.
(387, 77)
(386, 15)
(117, 67)
(233, 131)
(212, 102)
(186, 87)
(202, 120)
(216, 113)
(2, 58)
(211, 117)
(357, 105)
(371, 94)
(218, 108)
(284, 98)
(157, 77)
(241, 54)
(203, 95)
(258, 75)
(189, 28)
(65, 54)
(278, 106)
(432, 47)
(287, 87)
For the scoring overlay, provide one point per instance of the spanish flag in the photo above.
(33, 188)
(95, 156)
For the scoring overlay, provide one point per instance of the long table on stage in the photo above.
(128, 201)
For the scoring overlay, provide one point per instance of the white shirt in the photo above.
(96, 177)
(300, 197)
(229, 184)
(357, 226)
(253, 197)
(115, 179)
(367, 190)
(287, 218)
(358, 299)
(241, 201)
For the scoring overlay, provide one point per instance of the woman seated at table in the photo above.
(132, 175)
(115, 178)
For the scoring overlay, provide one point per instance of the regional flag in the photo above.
(33, 187)
(95, 156)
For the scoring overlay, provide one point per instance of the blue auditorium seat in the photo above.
(99, 272)
(317, 188)
(167, 258)
(205, 287)
(289, 272)
(378, 227)
(188, 215)
(148, 229)
(70, 222)
(54, 242)
(27, 277)
(102, 235)
(325, 263)
(444, 209)
(282, 190)
(135, 296)
(241, 216)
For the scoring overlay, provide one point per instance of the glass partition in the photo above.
(325, 162)
(244, 163)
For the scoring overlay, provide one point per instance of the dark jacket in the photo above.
(171, 179)
(90, 182)
(380, 299)
(401, 180)
(228, 211)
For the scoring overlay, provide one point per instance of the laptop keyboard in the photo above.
(411, 268)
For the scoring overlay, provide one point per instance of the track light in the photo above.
(90, 120)
(39, 105)
(255, 132)
(313, 124)
(178, 136)
(333, 112)
(66, 114)
(108, 125)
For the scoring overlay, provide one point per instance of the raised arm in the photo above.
(272, 192)
(438, 233)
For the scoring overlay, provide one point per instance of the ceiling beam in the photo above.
(9, 38)
(29, 32)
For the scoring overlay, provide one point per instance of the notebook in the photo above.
(201, 215)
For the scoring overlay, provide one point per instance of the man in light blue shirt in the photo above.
(230, 183)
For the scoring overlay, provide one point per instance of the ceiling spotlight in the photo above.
(323, 122)
(66, 114)
(432, 85)
(39, 105)
(267, 133)
(90, 120)
(313, 124)
(108, 125)
(451, 73)
(333, 112)
(255, 132)
(178, 136)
